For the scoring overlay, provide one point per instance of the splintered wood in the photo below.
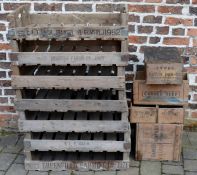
(70, 87)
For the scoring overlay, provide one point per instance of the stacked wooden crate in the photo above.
(160, 94)
(70, 87)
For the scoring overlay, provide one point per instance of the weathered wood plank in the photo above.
(72, 58)
(74, 145)
(72, 82)
(43, 32)
(77, 165)
(78, 18)
(72, 126)
(73, 105)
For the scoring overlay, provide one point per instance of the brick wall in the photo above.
(152, 23)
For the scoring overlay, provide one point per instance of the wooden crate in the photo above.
(158, 141)
(70, 85)
(144, 114)
(163, 66)
(84, 151)
(24, 25)
(145, 94)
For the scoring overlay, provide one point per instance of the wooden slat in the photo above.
(72, 58)
(72, 126)
(77, 18)
(72, 82)
(44, 32)
(77, 165)
(73, 105)
(74, 145)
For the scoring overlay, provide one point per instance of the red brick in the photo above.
(192, 32)
(2, 27)
(6, 117)
(190, 69)
(12, 5)
(7, 109)
(170, 9)
(193, 60)
(110, 7)
(3, 16)
(5, 83)
(48, 7)
(194, 1)
(129, 77)
(194, 114)
(190, 50)
(132, 48)
(5, 65)
(154, 40)
(9, 92)
(2, 56)
(13, 56)
(78, 7)
(178, 31)
(2, 74)
(193, 10)
(152, 19)
(3, 100)
(145, 29)
(175, 41)
(194, 42)
(131, 28)
(134, 18)
(162, 30)
(177, 1)
(153, 1)
(141, 8)
(12, 99)
(177, 21)
(5, 46)
(137, 39)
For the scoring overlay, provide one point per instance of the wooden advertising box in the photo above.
(146, 94)
(163, 65)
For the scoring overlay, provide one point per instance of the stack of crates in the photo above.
(70, 89)
(160, 94)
